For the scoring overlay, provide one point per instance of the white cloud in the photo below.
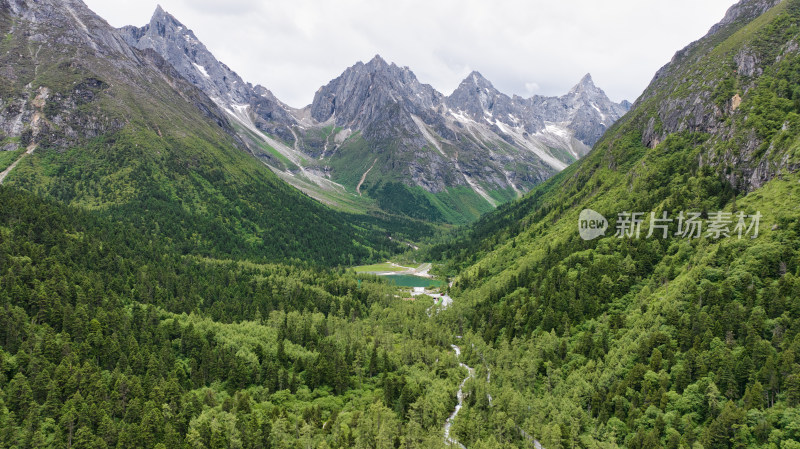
(225, 8)
(523, 46)
(532, 88)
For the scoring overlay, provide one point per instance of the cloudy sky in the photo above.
(524, 47)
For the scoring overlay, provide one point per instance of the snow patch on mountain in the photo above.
(201, 69)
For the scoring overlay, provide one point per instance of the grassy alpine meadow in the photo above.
(379, 267)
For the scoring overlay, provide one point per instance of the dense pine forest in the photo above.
(109, 340)
(653, 342)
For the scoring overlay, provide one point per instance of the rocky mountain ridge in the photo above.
(718, 129)
(712, 102)
(178, 45)
(91, 122)
(378, 122)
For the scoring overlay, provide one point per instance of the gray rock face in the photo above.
(588, 110)
(704, 106)
(745, 10)
(178, 45)
(747, 63)
(477, 96)
(59, 113)
(74, 24)
(585, 110)
(696, 111)
(363, 90)
(475, 137)
(475, 133)
(479, 99)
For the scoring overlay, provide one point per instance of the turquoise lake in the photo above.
(405, 280)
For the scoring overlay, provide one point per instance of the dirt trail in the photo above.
(11, 167)
(38, 116)
(364, 177)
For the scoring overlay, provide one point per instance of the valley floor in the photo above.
(391, 268)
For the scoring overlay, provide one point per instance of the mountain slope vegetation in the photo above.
(422, 154)
(108, 339)
(117, 131)
(161, 288)
(655, 342)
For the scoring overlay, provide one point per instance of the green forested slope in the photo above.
(654, 342)
(118, 132)
(159, 287)
(175, 300)
(107, 339)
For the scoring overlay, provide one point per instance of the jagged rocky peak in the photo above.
(162, 15)
(477, 80)
(78, 26)
(377, 66)
(387, 105)
(162, 19)
(378, 62)
(586, 80)
(477, 96)
(474, 84)
(162, 24)
(587, 87)
(390, 73)
(395, 75)
(744, 10)
(363, 89)
(177, 44)
(586, 95)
